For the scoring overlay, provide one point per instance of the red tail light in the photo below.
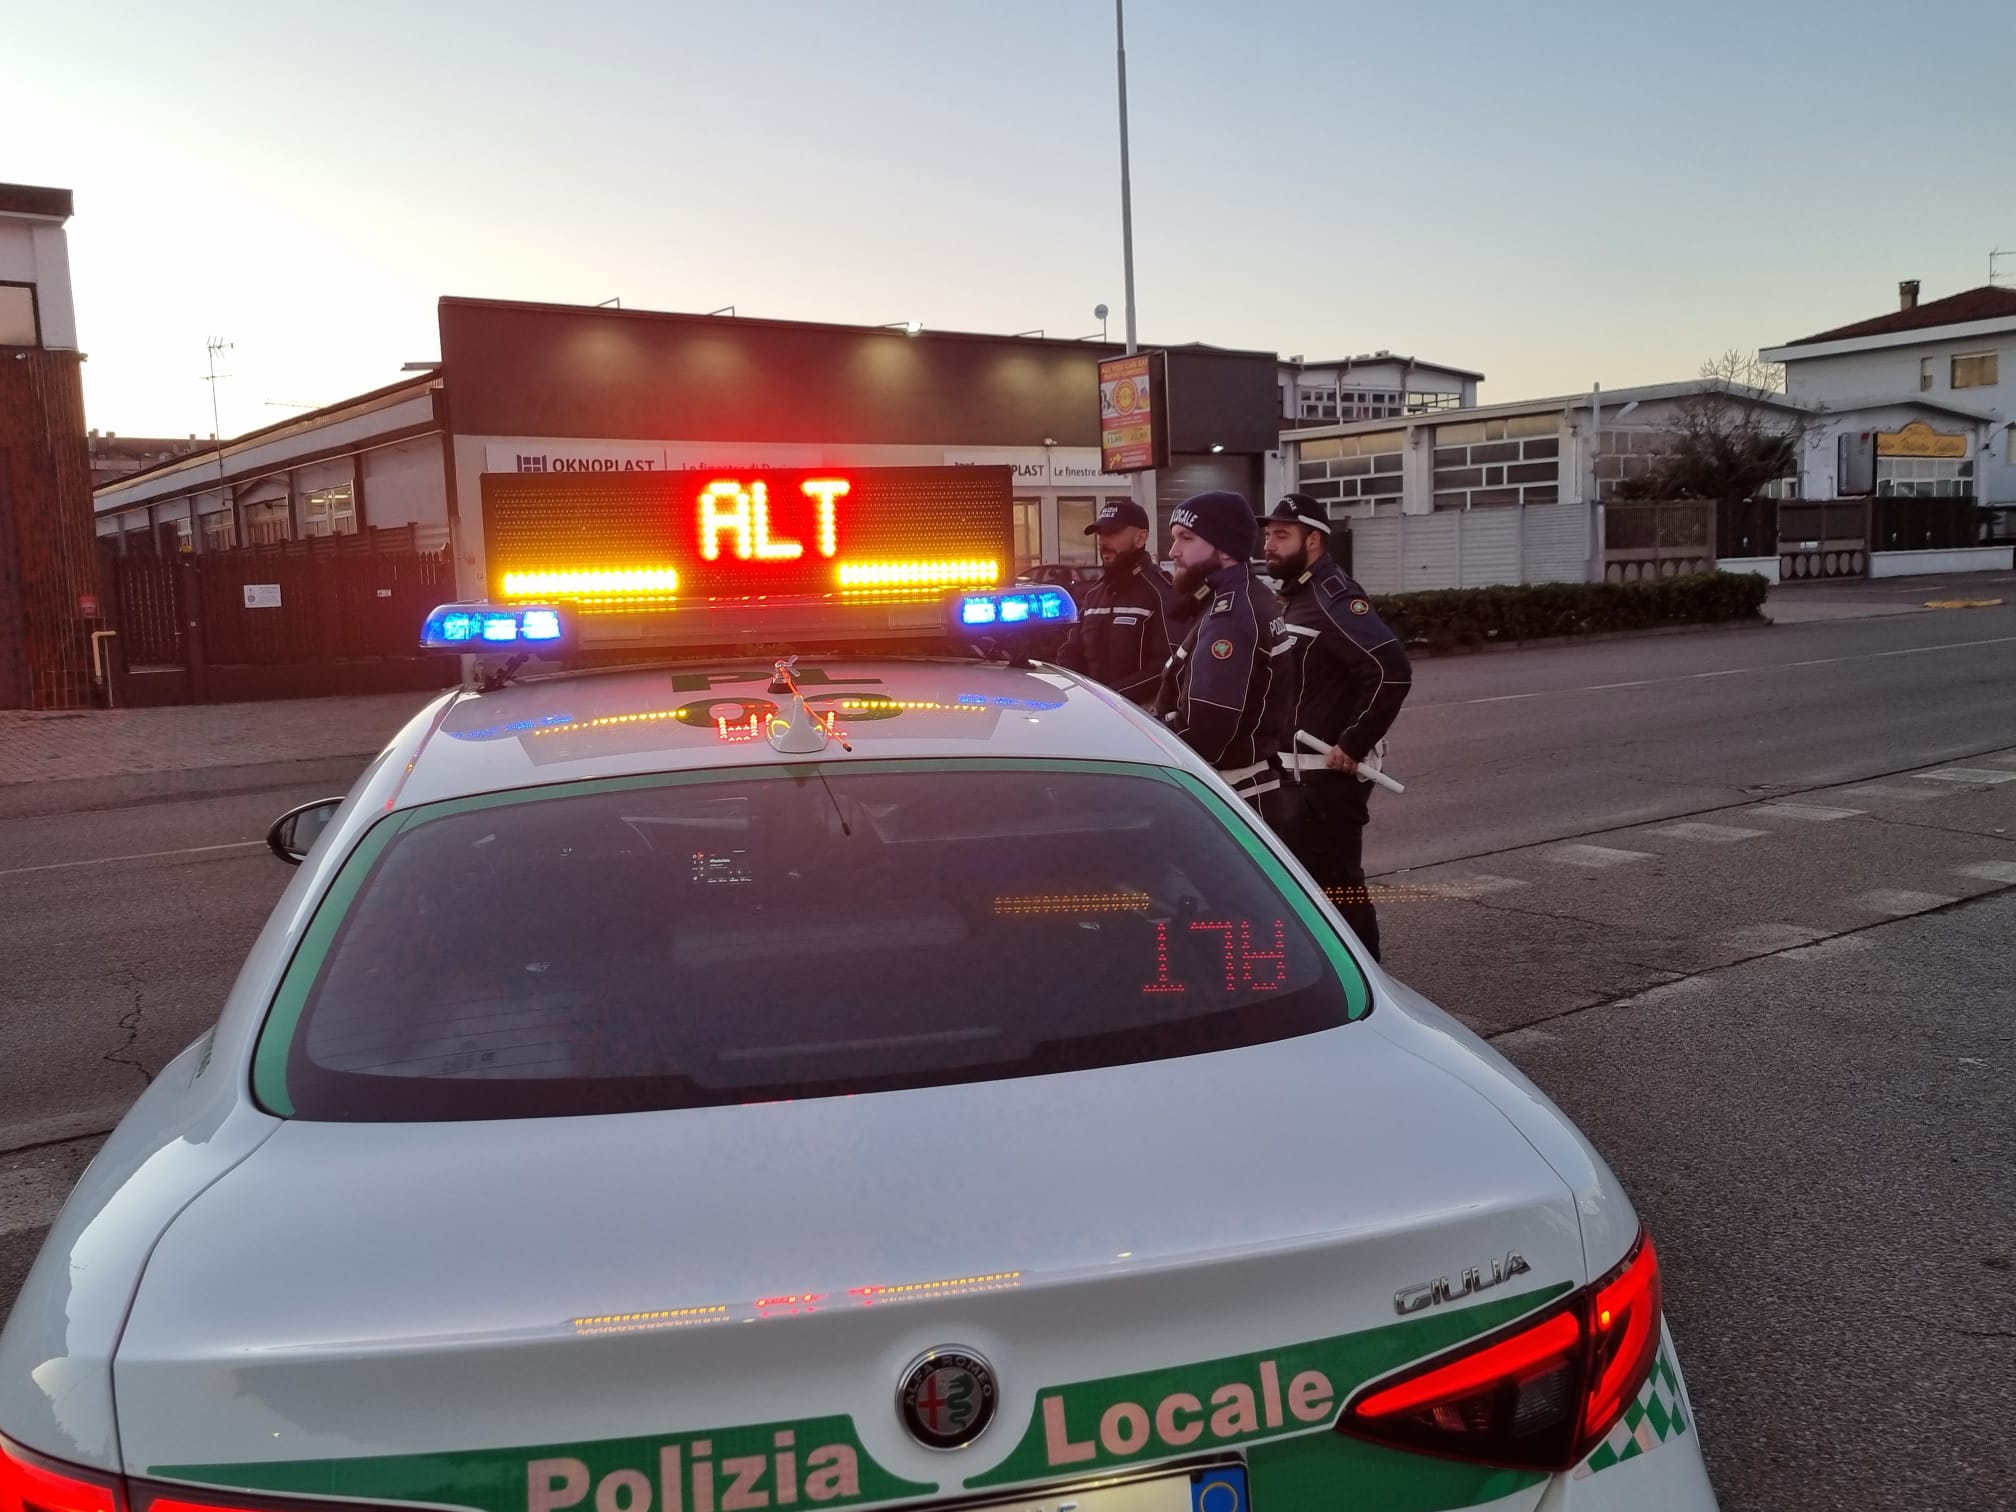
(1539, 1395)
(30, 1483)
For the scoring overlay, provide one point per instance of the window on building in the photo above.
(1369, 404)
(1426, 403)
(220, 531)
(1343, 471)
(330, 511)
(1976, 370)
(1492, 462)
(18, 325)
(1924, 375)
(1028, 534)
(1924, 477)
(1317, 404)
(1073, 545)
(266, 522)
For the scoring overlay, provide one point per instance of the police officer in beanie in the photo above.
(1343, 682)
(1215, 691)
(1124, 632)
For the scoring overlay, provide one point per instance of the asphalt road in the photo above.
(1741, 901)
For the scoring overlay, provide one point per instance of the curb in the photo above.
(1550, 642)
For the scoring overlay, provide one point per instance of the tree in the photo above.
(1729, 440)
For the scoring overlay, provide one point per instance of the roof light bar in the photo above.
(1002, 612)
(479, 628)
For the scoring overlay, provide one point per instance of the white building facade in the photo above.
(1959, 351)
(1379, 386)
(1516, 493)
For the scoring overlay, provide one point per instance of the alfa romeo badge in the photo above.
(947, 1398)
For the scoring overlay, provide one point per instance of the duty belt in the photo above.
(1251, 781)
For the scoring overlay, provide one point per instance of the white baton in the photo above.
(1303, 737)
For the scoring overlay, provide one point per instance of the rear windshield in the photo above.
(788, 934)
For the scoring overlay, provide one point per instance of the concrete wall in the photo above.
(1883, 564)
(36, 252)
(1472, 548)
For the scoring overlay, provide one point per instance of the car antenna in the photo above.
(803, 732)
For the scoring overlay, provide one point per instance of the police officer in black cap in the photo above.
(1124, 632)
(1343, 682)
(1215, 693)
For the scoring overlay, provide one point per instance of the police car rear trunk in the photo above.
(1172, 1262)
(730, 1100)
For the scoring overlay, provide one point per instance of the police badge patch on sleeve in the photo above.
(1222, 649)
(1359, 606)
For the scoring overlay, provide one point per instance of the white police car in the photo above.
(868, 1082)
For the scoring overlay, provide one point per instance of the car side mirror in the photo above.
(295, 832)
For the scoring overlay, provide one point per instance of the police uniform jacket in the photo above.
(1346, 674)
(1216, 691)
(1125, 628)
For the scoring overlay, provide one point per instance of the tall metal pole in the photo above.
(1126, 178)
(1143, 482)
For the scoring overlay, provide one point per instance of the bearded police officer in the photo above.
(1215, 693)
(1124, 632)
(1344, 681)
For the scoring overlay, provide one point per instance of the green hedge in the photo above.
(1453, 617)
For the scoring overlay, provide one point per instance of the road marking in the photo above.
(1480, 886)
(1899, 901)
(1680, 987)
(1711, 834)
(1963, 603)
(1769, 939)
(1986, 776)
(188, 850)
(1597, 857)
(1876, 791)
(1822, 661)
(1826, 950)
(1819, 813)
(1989, 871)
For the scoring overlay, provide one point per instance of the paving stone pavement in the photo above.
(100, 743)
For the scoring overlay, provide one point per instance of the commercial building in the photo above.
(114, 456)
(1522, 492)
(1378, 386)
(1959, 350)
(553, 388)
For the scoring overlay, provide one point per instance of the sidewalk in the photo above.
(1803, 603)
(104, 743)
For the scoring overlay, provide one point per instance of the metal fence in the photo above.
(335, 613)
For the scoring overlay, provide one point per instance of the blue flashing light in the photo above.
(1012, 610)
(480, 627)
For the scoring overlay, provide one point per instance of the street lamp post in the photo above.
(1143, 483)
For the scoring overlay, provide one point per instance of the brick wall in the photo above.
(48, 558)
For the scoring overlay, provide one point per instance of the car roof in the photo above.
(714, 714)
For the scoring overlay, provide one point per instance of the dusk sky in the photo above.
(1551, 193)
